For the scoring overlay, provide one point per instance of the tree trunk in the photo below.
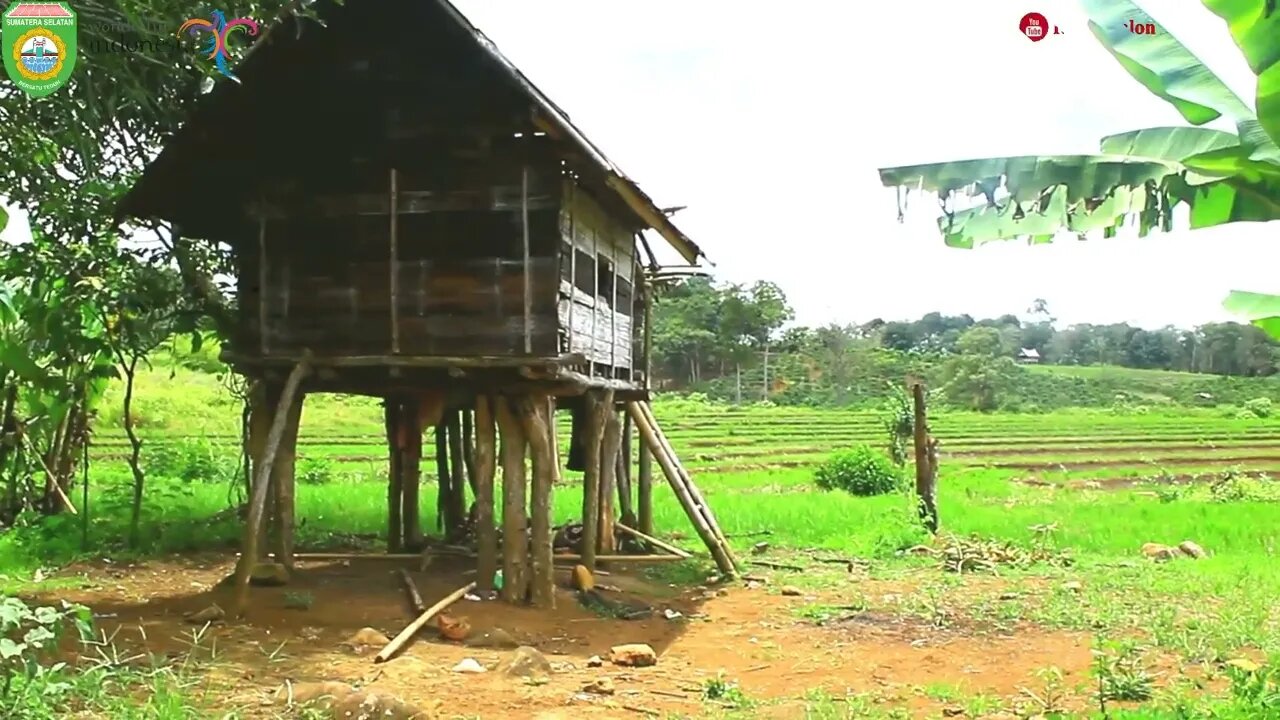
(610, 448)
(135, 450)
(533, 415)
(411, 473)
(395, 486)
(442, 472)
(455, 518)
(926, 471)
(469, 448)
(596, 405)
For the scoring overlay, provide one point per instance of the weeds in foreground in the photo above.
(1121, 672)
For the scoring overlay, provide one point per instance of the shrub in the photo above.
(860, 471)
(314, 471)
(189, 459)
(1258, 407)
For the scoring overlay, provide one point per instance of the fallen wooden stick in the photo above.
(776, 565)
(415, 597)
(412, 628)
(653, 541)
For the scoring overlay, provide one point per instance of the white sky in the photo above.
(770, 120)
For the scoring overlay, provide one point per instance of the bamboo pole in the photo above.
(515, 539)
(412, 628)
(533, 416)
(654, 541)
(626, 509)
(253, 527)
(486, 455)
(596, 404)
(649, 434)
(610, 448)
(696, 494)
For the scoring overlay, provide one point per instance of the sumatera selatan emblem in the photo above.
(39, 43)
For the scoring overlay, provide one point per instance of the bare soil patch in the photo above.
(754, 636)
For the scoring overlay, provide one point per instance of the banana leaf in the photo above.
(1255, 26)
(1260, 309)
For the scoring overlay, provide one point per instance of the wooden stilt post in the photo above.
(411, 473)
(625, 507)
(596, 405)
(702, 524)
(644, 489)
(552, 435)
(395, 486)
(253, 526)
(469, 447)
(442, 471)
(283, 483)
(455, 516)
(609, 450)
(926, 462)
(515, 536)
(486, 456)
(533, 416)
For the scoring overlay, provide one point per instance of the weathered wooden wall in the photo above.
(597, 274)
(459, 272)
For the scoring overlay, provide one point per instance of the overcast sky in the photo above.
(770, 120)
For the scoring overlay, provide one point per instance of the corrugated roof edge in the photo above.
(626, 189)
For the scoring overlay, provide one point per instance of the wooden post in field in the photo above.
(515, 531)
(283, 483)
(455, 515)
(926, 462)
(486, 456)
(411, 473)
(395, 490)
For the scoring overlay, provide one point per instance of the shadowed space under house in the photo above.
(411, 219)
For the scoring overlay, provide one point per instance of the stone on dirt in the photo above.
(1191, 549)
(527, 662)
(759, 547)
(269, 575)
(371, 706)
(364, 640)
(453, 628)
(599, 686)
(633, 655)
(594, 661)
(213, 613)
(791, 591)
(323, 694)
(470, 666)
(1158, 552)
(1073, 586)
(494, 638)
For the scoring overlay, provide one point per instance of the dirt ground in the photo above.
(751, 634)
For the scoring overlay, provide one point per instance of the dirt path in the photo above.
(753, 636)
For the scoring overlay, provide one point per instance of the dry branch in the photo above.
(412, 628)
(654, 541)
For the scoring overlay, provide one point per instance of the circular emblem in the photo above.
(1034, 26)
(39, 54)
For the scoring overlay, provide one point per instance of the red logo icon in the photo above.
(1034, 26)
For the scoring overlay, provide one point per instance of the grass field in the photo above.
(1088, 486)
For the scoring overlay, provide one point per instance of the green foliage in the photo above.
(191, 460)
(27, 636)
(860, 471)
(899, 423)
(1258, 407)
(314, 471)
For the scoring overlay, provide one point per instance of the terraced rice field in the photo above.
(741, 440)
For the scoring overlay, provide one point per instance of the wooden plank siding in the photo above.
(595, 305)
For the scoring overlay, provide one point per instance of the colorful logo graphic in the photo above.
(39, 46)
(219, 29)
(1035, 27)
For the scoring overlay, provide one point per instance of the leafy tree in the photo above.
(981, 373)
(1222, 177)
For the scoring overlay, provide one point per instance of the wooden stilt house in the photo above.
(412, 219)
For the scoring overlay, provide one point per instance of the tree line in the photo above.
(705, 330)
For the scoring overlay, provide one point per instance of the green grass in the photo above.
(1204, 611)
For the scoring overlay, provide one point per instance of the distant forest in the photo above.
(737, 341)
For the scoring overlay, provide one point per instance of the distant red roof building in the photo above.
(39, 10)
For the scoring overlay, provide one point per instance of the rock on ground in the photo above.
(1159, 552)
(527, 662)
(1191, 549)
(364, 640)
(633, 655)
(495, 638)
(269, 575)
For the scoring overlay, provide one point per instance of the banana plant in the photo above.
(1143, 174)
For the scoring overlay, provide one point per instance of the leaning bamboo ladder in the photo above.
(695, 506)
